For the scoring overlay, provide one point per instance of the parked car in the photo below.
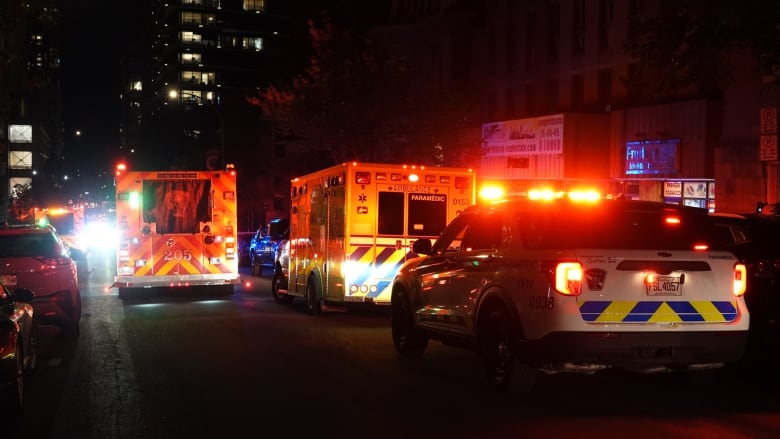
(34, 257)
(755, 240)
(281, 272)
(18, 344)
(244, 239)
(565, 286)
(262, 248)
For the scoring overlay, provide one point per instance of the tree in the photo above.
(686, 48)
(357, 101)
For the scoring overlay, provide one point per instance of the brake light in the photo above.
(740, 279)
(53, 262)
(568, 278)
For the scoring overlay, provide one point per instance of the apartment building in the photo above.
(31, 126)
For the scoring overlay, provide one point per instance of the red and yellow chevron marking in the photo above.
(178, 254)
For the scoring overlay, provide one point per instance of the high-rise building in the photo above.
(185, 93)
(31, 130)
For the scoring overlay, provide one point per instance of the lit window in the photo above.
(190, 37)
(190, 58)
(253, 43)
(137, 86)
(188, 17)
(191, 96)
(254, 5)
(20, 159)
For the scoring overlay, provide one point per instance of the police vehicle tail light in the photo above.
(568, 278)
(740, 277)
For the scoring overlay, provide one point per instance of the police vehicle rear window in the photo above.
(612, 228)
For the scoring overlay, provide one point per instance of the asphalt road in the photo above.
(243, 366)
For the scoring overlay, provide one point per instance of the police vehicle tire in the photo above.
(312, 297)
(407, 339)
(276, 284)
(505, 369)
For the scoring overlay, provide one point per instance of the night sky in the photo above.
(94, 34)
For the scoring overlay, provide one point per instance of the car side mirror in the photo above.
(422, 246)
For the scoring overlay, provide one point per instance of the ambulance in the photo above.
(352, 226)
(176, 229)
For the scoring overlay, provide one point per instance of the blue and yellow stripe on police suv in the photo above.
(667, 311)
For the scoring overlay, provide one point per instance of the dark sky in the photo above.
(93, 34)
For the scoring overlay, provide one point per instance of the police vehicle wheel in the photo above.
(406, 338)
(312, 297)
(505, 369)
(279, 282)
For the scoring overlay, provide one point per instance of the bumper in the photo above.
(640, 350)
(56, 308)
(175, 280)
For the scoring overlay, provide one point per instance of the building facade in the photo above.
(535, 59)
(31, 126)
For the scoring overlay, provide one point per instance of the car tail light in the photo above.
(740, 279)
(568, 278)
(53, 262)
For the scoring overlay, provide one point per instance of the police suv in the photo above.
(562, 284)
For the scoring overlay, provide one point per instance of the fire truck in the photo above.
(176, 229)
(352, 226)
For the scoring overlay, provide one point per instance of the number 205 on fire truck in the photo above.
(176, 229)
(352, 226)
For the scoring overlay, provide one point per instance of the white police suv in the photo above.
(564, 285)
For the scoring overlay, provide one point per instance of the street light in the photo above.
(197, 97)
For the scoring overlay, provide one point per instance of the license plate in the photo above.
(664, 286)
(8, 280)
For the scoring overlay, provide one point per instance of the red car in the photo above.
(18, 344)
(34, 257)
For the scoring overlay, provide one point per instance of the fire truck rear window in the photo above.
(176, 206)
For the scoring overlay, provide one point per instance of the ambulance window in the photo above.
(390, 212)
(427, 214)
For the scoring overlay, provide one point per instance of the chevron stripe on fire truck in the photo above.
(157, 265)
(658, 311)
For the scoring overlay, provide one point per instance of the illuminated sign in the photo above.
(653, 157)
